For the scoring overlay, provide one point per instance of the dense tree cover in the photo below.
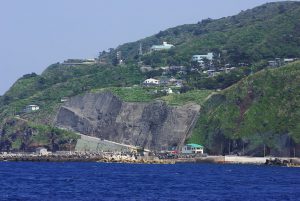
(265, 32)
(18, 135)
(260, 110)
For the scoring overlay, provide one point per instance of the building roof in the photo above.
(32, 105)
(195, 145)
(151, 80)
(208, 56)
(165, 45)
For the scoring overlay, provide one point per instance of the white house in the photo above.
(151, 81)
(288, 60)
(64, 99)
(79, 62)
(41, 151)
(169, 91)
(199, 58)
(31, 108)
(164, 46)
(192, 149)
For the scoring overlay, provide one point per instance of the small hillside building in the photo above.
(64, 99)
(164, 46)
(192, 149)
(289, 60)
(31, 108)
(169, 91)
(74, 62)
(200, 58)
(151, 81)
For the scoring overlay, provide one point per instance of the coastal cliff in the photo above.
(153, 125)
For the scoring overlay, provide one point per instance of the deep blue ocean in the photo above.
(112, 181)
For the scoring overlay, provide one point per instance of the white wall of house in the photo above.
(30, 108)
(41, 151)
(164, 46)
(191, 150)
(151, 81)
(199, 58)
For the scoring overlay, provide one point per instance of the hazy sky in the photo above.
(35, 33)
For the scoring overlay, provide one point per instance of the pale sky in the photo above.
(35, 33)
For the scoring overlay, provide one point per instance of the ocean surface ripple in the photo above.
(115, 181)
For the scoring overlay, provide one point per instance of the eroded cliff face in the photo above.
(153, 125)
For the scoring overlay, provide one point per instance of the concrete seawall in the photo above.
(208, 159)
(245, 159)
(235, 160)
(258, 160)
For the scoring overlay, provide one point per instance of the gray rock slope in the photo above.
(154, 125)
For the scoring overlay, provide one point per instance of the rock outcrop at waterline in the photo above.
(152, 125)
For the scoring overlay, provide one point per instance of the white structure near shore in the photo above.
(41, 151)
(245, 159)
(192, 149)
(92, 144)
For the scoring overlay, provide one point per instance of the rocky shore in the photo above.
(85, 157)
(136, 158)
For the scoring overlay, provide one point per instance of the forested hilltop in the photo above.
(249, 97)
(265, 32)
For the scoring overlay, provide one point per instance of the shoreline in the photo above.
(129, 158)
(84, 157)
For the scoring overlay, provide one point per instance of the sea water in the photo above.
(115, 181)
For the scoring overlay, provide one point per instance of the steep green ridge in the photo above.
(262, 110)
(265, 32)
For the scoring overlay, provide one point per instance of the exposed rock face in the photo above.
(152, 125)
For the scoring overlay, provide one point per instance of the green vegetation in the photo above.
(261, 110)
(146, 94)
(265, 32)
(26, 136)
(131, 94)
(60, 81)
(194, 96)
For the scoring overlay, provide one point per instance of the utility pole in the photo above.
(294, 152)
(140, 50)
(264, 150)
(221, 149)
(243, 148)
(140, 54)
(70, 141)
